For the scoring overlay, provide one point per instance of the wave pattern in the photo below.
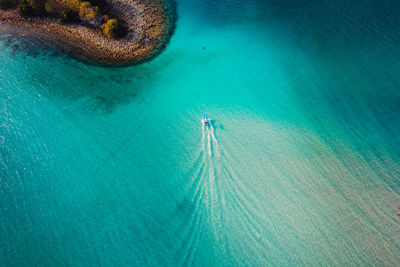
(111, 167)
(302, 196)
(214, 193)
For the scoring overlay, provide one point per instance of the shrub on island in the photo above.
(24, 9)
(31, 8)
(68, 15)
(90, 14)
(73, 4)
(111, 28)
(54, 7)
(37, 6)
(69, 11)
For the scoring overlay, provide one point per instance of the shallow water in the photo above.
(301, 165)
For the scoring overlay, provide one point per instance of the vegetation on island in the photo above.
(87, 29)
(69, 11)
(67, 15)
(24, 9)
(111, 28)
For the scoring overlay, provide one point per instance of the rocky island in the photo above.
(103, 31)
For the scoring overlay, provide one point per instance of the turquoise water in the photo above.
(301, 165)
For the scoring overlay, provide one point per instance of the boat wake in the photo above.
(214, 193)
(209, 142)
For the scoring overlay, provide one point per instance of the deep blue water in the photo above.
(301, 165)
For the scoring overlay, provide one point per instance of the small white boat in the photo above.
(206, 120)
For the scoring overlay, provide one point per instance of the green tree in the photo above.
(25, 9)
(54, 7)
(37, 6)
(68, 15)
(31, 7)
(111, 28)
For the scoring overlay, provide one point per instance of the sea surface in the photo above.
(299, 167)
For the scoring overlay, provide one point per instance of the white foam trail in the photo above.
(203, 130)
(218, 190)
(217, 147)
(206, 191)
(209, 143)
(212, 142)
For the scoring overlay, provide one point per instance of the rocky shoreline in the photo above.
(149, 25)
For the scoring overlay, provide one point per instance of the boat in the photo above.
(206, 120)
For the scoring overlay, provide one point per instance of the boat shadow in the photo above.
(216, 126)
